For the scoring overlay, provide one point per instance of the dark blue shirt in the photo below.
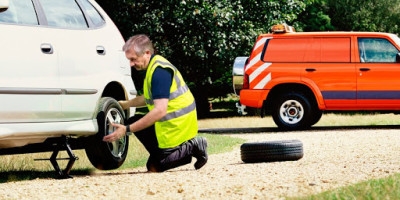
(161, 82)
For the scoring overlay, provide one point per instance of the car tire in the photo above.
(105, 155)
(292, 111)
(272, 151)
(317, 114)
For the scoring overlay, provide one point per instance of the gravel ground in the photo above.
(331, 159)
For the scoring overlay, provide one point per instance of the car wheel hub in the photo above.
(117, 148)
(291, 112)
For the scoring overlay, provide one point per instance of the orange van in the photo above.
(295, 76)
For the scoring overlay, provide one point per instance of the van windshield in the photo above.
(395, 39)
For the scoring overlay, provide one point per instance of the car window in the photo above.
(64, 14)
(308, 50)
(376, 50)
(20, 12)
(286, 50)
(93, 14)
(329, 49)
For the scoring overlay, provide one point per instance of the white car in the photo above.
(62, 71)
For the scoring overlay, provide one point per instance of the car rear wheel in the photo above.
(292, 111)
(107, 155)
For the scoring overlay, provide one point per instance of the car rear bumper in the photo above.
(253, 98)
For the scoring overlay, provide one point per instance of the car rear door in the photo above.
(29, 74)
(81, 58)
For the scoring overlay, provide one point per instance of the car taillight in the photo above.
(246, 81)
(246, 77)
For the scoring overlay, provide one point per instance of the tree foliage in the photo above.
(368, 15)
(202, 37)
(315, 17)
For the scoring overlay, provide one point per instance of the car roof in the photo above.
(329, 34)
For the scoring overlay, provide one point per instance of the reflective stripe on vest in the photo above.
(181, 90)
(179, 113)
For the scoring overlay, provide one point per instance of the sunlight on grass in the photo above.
(14, 166)
(137, 154)
(385, 188)
(25, 162)
(23, 166)
(237, 122)
(329, 119)
(220, 144)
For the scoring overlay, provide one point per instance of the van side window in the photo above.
(286, 50)
(376, 50)
(335, 50)
(20, 12)
(64, 14)
(308, 50)
(94, 15)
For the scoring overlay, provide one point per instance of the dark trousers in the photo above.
(162, 159)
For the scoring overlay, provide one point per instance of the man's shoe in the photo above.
(200, 151)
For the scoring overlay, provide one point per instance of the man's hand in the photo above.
(124, 104)
(117, 134)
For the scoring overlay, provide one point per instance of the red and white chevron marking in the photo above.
(258, 77)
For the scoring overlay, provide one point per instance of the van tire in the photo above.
(104, 155)
(272, 151)
(292, 111)
(317, 114)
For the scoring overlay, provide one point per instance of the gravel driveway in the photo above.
(331, 159)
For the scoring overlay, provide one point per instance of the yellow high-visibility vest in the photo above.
(180, 122)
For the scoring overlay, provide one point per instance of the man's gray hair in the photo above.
(140, 44)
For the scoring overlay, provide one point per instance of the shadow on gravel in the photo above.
(120, 173)
(275, 129)
(141, 172)
(12, 176)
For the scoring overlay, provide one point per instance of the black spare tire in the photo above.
(284, 150)
(107, 155)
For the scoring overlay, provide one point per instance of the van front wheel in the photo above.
(292, 111)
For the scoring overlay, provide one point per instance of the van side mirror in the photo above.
(398, 58)
(4, 5)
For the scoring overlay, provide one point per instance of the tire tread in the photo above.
(272, 151)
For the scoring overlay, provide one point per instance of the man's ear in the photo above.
(147, 56)
(147, 53)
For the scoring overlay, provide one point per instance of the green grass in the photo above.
(385, 188)
(23, 167)
(220, 144)
(329, 119)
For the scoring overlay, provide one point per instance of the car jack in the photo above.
(62, 145)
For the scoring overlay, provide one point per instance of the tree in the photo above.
(202, 37)
(369, 15)
(315, 17)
